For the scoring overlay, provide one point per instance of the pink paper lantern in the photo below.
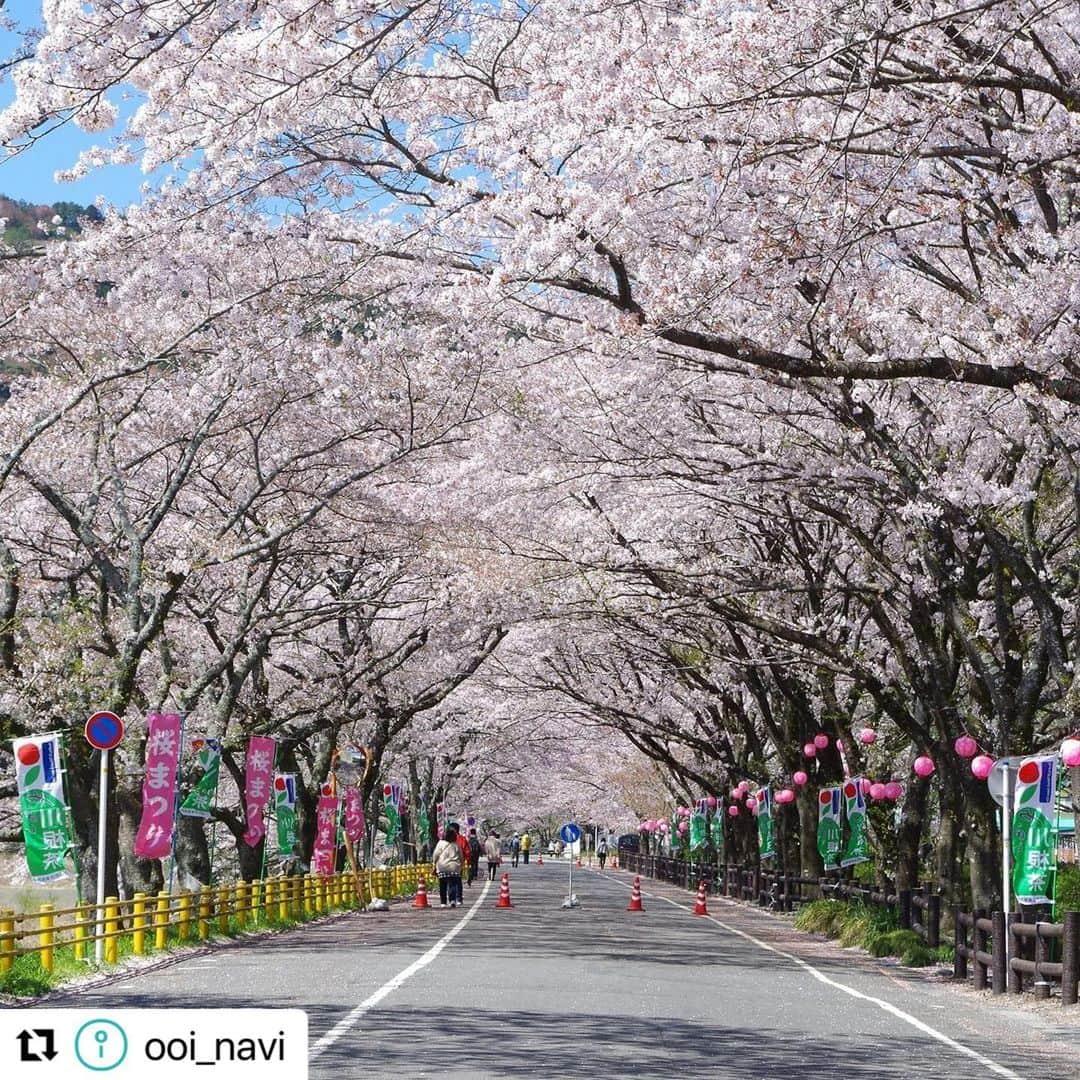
(893, 790)
(981, 766)
(643, 827)
(663, 826)
(751, 803)
(744, 786)
(924, 766)
(866, 786)
(683, 826)
(966, 746)
(821, 740)
(785, 795)
(710, 802)
(867, 736)
(1070, 752)
(877, 792)
(810, 750)
(800, 778)
(736, 792)
(733, 811)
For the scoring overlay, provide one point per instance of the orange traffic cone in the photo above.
(504, 892)
(635, 897)
(699, 907)
(539, 860)
(421, 895)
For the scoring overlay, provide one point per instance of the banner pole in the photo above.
(1006, 852)
(176, 802)
(103, 814)
(74, 848)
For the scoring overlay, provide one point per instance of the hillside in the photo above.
(22, 220)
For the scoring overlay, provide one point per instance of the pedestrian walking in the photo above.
(515, 850)
(493, 853)
(474, 855)
(526, 843)
(601, 852)
(449, 861)
(463, 843)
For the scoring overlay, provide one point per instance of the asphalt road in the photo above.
(593, 992)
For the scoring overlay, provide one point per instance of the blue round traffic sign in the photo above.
(570, 833)
(104, 730)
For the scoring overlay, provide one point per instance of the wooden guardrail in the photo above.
(1040, 953)
(155, 922)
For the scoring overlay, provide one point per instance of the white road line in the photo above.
(887, 1006)
(344, 1025)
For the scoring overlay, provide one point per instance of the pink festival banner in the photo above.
(324, 854)
(354, 815)
(164, 735)
(258, 775)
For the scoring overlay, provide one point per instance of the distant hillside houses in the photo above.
(22, 219)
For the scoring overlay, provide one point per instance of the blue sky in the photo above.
(29, 175)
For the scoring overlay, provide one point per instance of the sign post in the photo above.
(1000, 785)
(570, 834)
(103, 731)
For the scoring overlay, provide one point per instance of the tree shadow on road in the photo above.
(450, 1042)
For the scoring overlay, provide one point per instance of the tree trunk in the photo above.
(136, 875)
(809, 859)
(83, 792)
(192, 853)
(983, 851)
(909, 835)
(250, 859)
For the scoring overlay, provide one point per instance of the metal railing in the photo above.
(153, 923)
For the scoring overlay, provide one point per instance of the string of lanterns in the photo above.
(924, 766)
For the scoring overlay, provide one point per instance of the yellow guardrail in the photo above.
(154, 923)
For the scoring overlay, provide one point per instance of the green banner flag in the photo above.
(1034, 846)
(766, 838)
(423, 823)
(392, 800)
(716, 829)
(697, 830)
(46, 822)
(201, 797)
(857, 848)
(828, 830)
(285, 811)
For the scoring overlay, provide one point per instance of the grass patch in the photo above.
(871, 927)
(821, 917)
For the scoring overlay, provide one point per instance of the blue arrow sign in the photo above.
(570, 833)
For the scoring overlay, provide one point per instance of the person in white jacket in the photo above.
(449, 862)
(493, 853)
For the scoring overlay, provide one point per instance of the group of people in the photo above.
(457, 856)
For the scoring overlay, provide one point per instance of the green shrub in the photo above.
(877, 943)
(855, 928)
(918, 955)
(883, 919)
(821, 917)
(1067, 892)
(945, 954)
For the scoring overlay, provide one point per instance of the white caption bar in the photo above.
(166, 1044)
